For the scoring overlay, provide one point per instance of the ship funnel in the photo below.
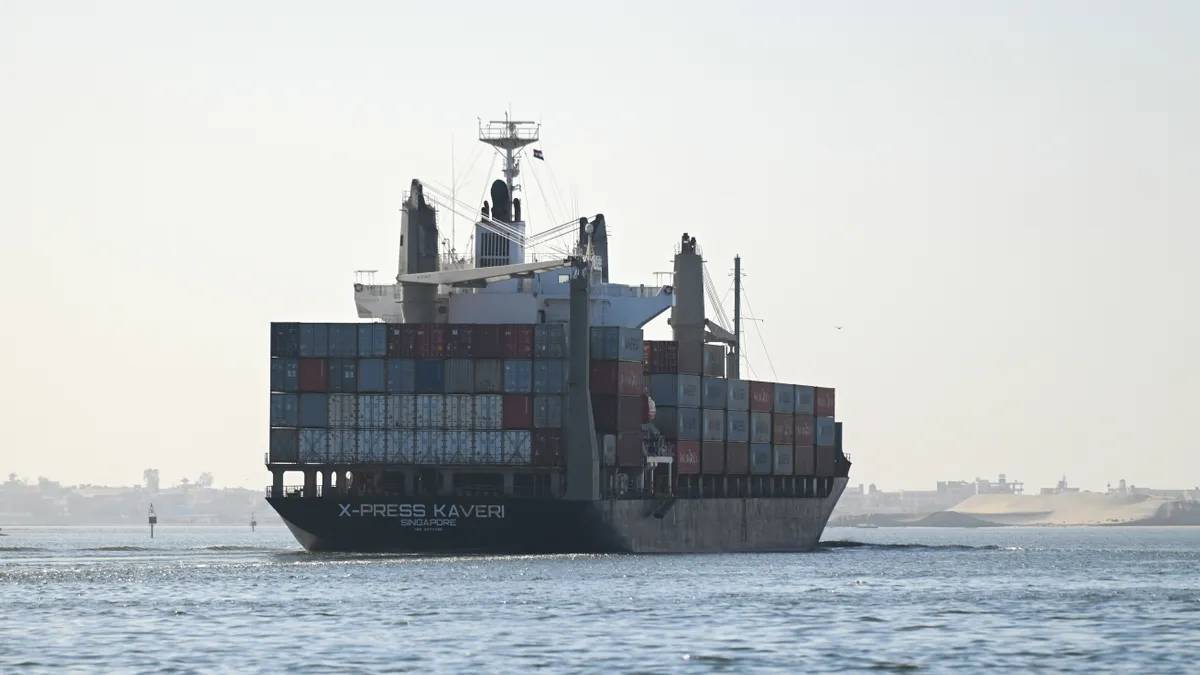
(516, 209)
(687, 314)
(500, 202)
(600, 243)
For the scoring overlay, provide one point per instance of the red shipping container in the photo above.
(617, 377)
(783, 429)
(629, 449)
(806, 430)
(825, 462)
(737, 459)
(615, 414)
(548, 445)
(712, 457)
(762, 396)
(518, 412)
(687, 458)
(806, 460)
(824, 401)
(314, 375)
(430, 341)
(402, 341)
(460, 341)
(516, 340)
(662, 357)
(486, 342)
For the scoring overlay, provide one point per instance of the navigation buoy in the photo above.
(153, 521)
(253, 522)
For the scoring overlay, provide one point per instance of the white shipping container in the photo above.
(608, 450)
(400, 445)
(342, 411)
(343, 446)
(489, 447)
(427, 446)
(314, 446)
(489, 411)
(517, 448)
(402, 412)
(460, 411)
(372, 411)
(460, 448)
(431, 411)
(372, 446)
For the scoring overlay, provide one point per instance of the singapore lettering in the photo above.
(421, 516)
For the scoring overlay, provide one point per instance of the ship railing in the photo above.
(293, 491)
(618, 290)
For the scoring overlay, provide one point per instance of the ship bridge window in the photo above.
(564, 278)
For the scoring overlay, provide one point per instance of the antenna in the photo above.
(453, 187)
(510, 136)
(737, 317)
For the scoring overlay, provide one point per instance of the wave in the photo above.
(117, 548)
(229, 547)
(19, 549)
(845, 543)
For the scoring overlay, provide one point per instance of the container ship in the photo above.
(501, 404)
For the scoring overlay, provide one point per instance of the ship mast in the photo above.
(510, 136)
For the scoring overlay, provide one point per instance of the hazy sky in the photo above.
(996, 199)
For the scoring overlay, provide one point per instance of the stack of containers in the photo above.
(806, 431)
(762, 428)
(617, 386)
(714, 398)
(783, 429)
(826, 432)
(674, 372)
(549, 394)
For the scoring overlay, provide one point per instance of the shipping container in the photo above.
(372, 411)
(616, 377)
(314, 446)
(460, 341)
(460, 376)
(548, 447)
(714, 393)
(549, 377)
(629, 449)
(343, 446)
(460, 411)
(285, 375)
(616, 343)
(489, 412)
(679, 424)
(737, 426)
(402, 411)
(343, 411)
(805, 463)
(459, 447)
(431, 411)
(737, 459)
(487, 342)
(550, 341)
(489, 376)
(762, 396)
(430, 341)
(837, 436)
(689, 358)
(517, 412)
(372, 340)
(783, 429)
(428, 446)
(606, 445)
(687, 458)
(760, 427)
(712, 425)
(314, 410)
(518, 376)
(825, 432)
(489, 447)
(712, 457)
(401, 376)
(661, 357)
(806, 430)
(284, 446)
(343, 376)
(429, 376)
(402, 341)
(737, 395)
(682, 391)
(314, 340)
(615, 414)
(372, 375)
(372, 446)
(549, 412)
(761, 461)
(343, 340)
(285, 340)
(517, 448)
(516, 340)
(823, 401)
(400, 443)
(805, 398)
(826, 462)
(784, 398)
(314, 375)
(784, 464)
(714, 361)
(285, 410)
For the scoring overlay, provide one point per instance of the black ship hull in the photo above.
(538, 526)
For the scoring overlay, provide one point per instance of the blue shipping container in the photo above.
(343, 376)
(372, 340)
(401, 376)
(314, 340)
(429, 376)
(805, 400)
(616, 343)
(826, 432)
(681, 391)
(760, 458)
(372, 375)
(550, 341)
(343, 339)
(314, 410)
(785, 399)
(678, 424)
(285, 340)
(284, 410)
(518, 376)
(285, 446)
(549, 377)
(714, 393)
(285, 375)
(737, 423)
(460, 376)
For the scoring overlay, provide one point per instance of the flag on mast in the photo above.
(538, 155)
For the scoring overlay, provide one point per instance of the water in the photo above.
(927, 600)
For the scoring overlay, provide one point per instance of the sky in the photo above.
(996, 200)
